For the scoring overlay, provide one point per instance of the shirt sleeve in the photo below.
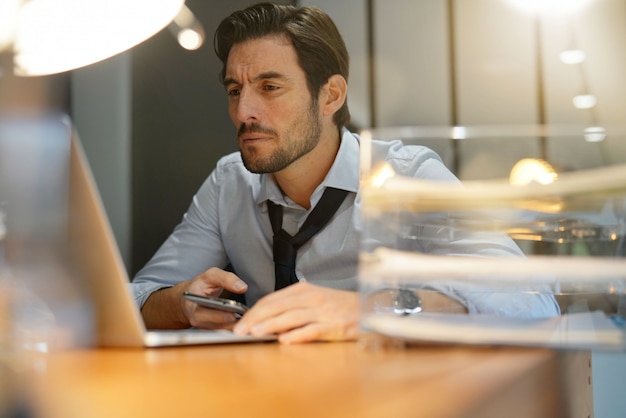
(423, 163)
(193, 247)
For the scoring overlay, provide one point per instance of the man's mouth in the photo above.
(252, 137)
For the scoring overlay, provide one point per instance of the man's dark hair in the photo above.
(318, 44)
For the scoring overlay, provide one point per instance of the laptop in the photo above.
(93, 258)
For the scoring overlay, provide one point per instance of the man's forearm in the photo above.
(429, 301)
(163, 309)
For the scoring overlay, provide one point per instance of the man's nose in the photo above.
(247, 106)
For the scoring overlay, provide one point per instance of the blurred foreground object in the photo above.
(440, 238)
(47, 307)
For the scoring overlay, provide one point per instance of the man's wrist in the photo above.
(163, 309)
(434, 301)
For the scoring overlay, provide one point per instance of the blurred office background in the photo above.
(153, 120)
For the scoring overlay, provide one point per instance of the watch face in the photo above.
(406, 302)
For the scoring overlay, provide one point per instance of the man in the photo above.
(285, 72)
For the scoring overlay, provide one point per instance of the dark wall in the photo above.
(180, 127)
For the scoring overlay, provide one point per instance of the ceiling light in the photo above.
(554, 6)
(584, 101)
(572, 56)
(595, 134)
(190, 39)
(459, 132)
(187, 29)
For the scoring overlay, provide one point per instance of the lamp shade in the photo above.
(53, 36)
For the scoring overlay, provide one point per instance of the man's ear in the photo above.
(334, 95)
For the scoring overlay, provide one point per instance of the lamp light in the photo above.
(572, 56)
(532, 170)
(584, 101)
(187, 29)
(458, 132)
(595, 134)
(8, 10)
(53, 36)
(550, 6)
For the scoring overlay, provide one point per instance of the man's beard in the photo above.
(302, 137)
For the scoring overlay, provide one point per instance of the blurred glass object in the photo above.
(42, 305)
(533, 264)
(48, 308)
(7, 376)
(13, 361)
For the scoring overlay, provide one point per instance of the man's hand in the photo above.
(168, 309)
(304, 312)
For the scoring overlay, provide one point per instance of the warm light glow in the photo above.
(595, 134)
(187, 29)
(381, 174)
(584, 101)
(8, 12)
(190, 39)
(459, 132)
(532, 170)
(550, 6)
(60, 35)
(572, 56)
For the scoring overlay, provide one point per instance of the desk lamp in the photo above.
(53, 36)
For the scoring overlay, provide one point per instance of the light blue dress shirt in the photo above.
(227, 222)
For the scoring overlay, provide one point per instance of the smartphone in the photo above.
(217, 303)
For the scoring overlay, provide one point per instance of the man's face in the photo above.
(276, 119)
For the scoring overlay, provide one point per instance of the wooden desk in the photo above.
(311, 380)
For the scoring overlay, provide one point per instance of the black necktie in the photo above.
(286, 246)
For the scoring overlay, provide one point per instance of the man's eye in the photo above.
(270, 87)
(233, 92)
